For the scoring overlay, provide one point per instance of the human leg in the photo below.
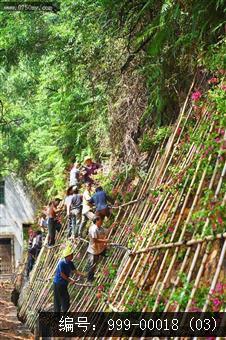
(92, 263)
(57, 298)
(69, 226)
(51, 232)
(65, 298)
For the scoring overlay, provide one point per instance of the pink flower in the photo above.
(223, 87)
(178, 131)
(213, 80)
(100, 288)
(216, 302)
(194, 309)
(220, 220)
(196, 96)
(78, 256)
(218, 140)
(106, 272)
(171, 229)
(212, 204)
(129, 188)
(128, 230)
(219, 287)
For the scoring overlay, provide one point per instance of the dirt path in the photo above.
(10, 326)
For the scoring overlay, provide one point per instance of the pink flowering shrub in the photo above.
(220, 220)
(128, 230)
(196, 96)
(105, 272)
(217, 296)
(178, 131)
(213, 80)
(100, 288)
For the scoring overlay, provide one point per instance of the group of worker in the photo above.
(98, 242)
(85, 201)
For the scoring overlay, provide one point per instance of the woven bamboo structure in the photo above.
(173, 228)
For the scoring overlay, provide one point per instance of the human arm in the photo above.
(58, 209)
(99, 240)
(67, 278)
(64, 272)
(78, 273)
(91, 201)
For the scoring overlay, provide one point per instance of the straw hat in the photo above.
(67, 251)
(87, 158)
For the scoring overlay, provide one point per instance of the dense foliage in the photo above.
(99, 77)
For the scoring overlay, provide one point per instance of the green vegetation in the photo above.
(99, 77)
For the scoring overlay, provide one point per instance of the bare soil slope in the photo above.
(10, 326)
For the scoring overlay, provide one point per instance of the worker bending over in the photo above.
(61, 280)
(100, 199)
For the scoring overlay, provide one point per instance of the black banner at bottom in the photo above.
(99, 324)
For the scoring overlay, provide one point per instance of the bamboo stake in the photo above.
(213, 284)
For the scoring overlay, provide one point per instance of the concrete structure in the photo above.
(16, 212)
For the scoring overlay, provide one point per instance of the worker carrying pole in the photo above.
(61, 280)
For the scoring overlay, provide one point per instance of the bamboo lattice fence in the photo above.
(173, 229)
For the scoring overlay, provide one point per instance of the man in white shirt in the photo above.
(74, 175)
(87, 213)
(67, 204)
(97, 245)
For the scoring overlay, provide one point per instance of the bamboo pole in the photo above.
(213, 284)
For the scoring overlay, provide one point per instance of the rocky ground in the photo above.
(10, 326)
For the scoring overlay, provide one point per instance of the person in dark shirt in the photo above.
(61, 279)
(75, 212)
(31, 253)
(100, 199)
(34, 250)
(91, 168)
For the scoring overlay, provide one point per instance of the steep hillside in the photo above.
(172, 231)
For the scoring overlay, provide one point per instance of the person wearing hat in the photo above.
(61, 280)
(91, 168)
